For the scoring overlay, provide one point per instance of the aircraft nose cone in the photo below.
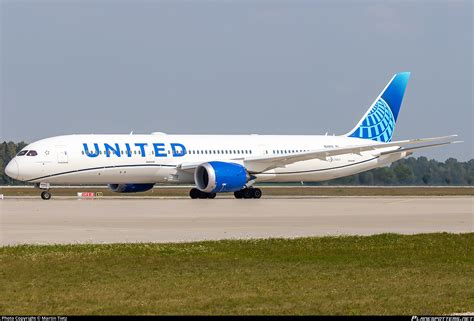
(12, 169)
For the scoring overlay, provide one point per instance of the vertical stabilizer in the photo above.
(379, 121)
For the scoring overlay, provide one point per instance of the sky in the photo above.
(234, 67)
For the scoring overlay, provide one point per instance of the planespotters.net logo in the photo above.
(442, 318)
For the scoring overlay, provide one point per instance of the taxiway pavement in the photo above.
(34, 221)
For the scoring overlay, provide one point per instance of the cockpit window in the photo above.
(32, 153)
(23, 152)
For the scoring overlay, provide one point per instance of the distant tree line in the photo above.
(419, 171)
(409, 171)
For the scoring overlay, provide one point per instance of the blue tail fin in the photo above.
(379, 121)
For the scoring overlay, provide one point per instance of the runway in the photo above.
(34, 221)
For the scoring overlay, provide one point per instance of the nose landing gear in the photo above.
(45, 194)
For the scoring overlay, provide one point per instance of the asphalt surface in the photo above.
(34, 221)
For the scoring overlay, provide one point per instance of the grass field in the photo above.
(383, 274)
(267, 191)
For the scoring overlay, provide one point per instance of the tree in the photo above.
(383, 176)
(366, 178)
(404, 174)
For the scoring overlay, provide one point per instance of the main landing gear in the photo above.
(248, 193)
(244, 193)
(195, 193)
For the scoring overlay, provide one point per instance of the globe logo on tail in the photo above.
(378, 125)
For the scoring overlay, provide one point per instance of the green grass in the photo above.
(382, 274)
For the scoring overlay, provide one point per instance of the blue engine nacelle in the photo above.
(130, 188)
(217, 177)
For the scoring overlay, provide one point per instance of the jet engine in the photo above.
(217, 177)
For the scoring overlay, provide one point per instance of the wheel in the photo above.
(248, 193)
(203, 195)
(212, 195)
(45, 195)
(257, 193)
(238, 194)
(194, 193)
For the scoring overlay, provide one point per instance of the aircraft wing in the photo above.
(264, 163)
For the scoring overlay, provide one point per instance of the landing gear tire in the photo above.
(194, 193)
(257, 193)
(248, 193)
(45, 195)
(203, 195)
(238, 194)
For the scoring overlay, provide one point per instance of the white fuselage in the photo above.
(155, 158)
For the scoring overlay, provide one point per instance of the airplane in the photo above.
(220, 163)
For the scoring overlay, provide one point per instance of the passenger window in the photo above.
(23, 152)
(32, 153)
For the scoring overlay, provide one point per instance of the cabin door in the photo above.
(262, 150)
(61, 152)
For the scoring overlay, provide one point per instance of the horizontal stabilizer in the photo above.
(409, 149)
